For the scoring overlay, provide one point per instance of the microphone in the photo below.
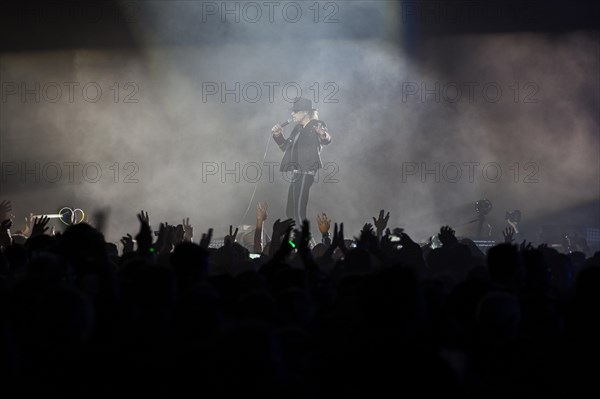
(283, 124)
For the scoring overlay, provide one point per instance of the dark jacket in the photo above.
(305, 154)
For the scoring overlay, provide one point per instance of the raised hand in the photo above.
(206, 238)
(381, 222)
(386, 244)
(367, 229)
(28, 223)
(337, 241)
(408, 245)
(188, 230)
(340, 239)
(166, 238)
(525, 246)
(39, 226)
(261, 211)
(5, 239)
(261, 216)
(178, 234)
(144, 237)
(229, 239)
(171, 237)
(5, 208)
(280, 228)
(397, 231)
(144, 217)
(324, 223)
(368, 240)
(508, 234)
(285, 248)
(127, 242)
(303, 238)
(447, 236)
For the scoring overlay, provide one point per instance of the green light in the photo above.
(292, 244)
(151, 249)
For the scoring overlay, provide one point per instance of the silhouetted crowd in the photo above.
(171, 316)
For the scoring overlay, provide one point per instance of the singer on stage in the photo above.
(302, 154)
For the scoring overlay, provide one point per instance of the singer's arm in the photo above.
(277, 132)
(281, 141)
(323, 134)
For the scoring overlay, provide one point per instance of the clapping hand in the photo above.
(337, 241)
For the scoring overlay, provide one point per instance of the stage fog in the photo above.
(177, 121)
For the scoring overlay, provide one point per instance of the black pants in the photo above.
(298, 196)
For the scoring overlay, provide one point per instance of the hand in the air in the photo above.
(261, 211)
(324, 223)
(381, 222)
(229, 239)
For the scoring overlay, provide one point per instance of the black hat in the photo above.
(302, 104)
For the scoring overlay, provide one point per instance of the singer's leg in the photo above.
(289, 209)
(307, 181)
(292, 202)
(298, 179)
